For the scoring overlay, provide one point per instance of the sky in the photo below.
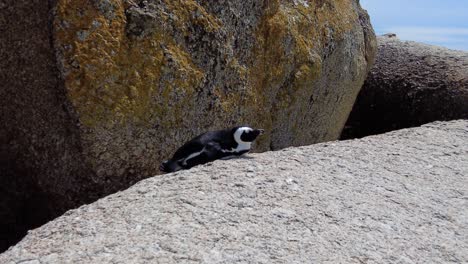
(437, 22)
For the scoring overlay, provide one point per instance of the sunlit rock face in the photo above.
(100, 92)
(145, 76)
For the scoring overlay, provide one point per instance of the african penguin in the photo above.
(211, 146)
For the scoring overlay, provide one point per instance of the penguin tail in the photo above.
(169, 166)
(163, 167)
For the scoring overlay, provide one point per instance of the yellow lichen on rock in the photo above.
(110, 77)
(190, 12)
(146, 76)
(289, 56)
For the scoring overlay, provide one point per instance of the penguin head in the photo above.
(246, 134)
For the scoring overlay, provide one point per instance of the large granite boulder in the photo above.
(96, 93)
(410, 84)
(393, 198)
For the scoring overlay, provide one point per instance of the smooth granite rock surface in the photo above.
(400, 197)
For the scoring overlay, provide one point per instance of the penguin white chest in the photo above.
(243, 146)
(240, 147)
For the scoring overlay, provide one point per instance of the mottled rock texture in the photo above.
(145, 76)
(95, 93)
(410, 84)
(394, 198)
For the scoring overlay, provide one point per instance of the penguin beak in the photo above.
(261, 131)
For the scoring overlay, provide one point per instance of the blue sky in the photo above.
(437, 22)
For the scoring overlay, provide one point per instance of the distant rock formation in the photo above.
(397, 197)
(96, 93)
(410, 84)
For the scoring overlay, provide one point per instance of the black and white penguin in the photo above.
(211, 146)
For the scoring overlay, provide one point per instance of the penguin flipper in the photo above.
(189, 147)
(211, 151)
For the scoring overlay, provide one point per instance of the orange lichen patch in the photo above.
(185, 70)
(112, 78)
(190, 12)
(289, 39)
(240, 69)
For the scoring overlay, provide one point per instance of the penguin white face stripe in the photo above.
(242, 145)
